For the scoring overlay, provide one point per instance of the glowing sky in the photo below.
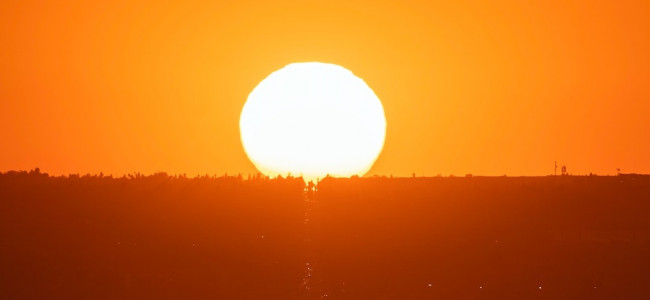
(482, 87)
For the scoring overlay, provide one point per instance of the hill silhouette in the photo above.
(161, 236)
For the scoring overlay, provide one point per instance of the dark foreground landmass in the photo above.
(163, 237)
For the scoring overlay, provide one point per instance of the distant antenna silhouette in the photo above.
(555, 173)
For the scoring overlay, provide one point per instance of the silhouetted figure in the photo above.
(311, 186)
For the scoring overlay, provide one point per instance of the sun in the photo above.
(313, 119)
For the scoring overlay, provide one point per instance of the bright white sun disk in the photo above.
(311, 120)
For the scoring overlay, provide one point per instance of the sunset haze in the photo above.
(488, 88)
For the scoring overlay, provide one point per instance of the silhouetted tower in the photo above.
(555, 172)
(564, 173)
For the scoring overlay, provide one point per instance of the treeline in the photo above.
(228, 237)
(158, 236)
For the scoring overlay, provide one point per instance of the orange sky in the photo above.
(482, 87)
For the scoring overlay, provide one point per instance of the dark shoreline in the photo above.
(160, 236)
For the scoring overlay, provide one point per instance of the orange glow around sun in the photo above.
(482, 87)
